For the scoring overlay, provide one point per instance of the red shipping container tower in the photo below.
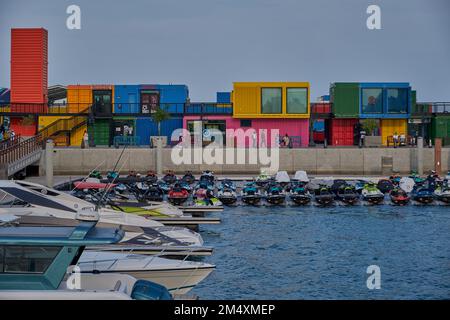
(29, 70)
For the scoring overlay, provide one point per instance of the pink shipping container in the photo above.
(291, 127)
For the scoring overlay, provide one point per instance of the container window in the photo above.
(397, 100)
(372, 100)
(18, 259)
(246, 123)
(271, 100)
(297, 100)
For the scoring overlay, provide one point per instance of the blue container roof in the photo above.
(384, 84)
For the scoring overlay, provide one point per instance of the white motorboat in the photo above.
(47, 254)
(38, 204)
(301, 176)
(178, 276)
(282, 177)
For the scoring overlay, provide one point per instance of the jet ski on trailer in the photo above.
(188, 178)
(170, 177)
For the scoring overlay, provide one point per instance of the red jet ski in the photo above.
(178, 195)
(81, 185)
(399, 197)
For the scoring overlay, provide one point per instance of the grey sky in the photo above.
(208, 44)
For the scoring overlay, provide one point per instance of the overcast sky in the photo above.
(209, 44)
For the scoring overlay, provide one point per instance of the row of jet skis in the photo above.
(274, 190)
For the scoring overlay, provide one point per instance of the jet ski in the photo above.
(372, 194)
(262, 179)
(164, 186)
(323, 195)
(178, 195)
(207, 175)
(227, 192)
(395, 180)
(442, 193)
(275, 194)
(154, 193)
(299, 194)
(250, 194)
(170, 177)
(399, 196)
(385, 185)
(422, 194)
(132, 174)
(151, 177)
(112, 175)
(95, 174)
(347, 194)
(188, 178)
(205, 184)
(205, 197)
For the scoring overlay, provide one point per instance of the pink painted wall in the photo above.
(293, 127)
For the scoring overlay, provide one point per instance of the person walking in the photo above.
(85, 142)
(254, 140)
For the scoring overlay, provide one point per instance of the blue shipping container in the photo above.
(223, 97)
(127, 99)
(385, 100)
(172, 97)
(146, 127)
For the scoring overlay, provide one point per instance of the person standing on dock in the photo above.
(254, 139)
(395, 138)
(85, 142)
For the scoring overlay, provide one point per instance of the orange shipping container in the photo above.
(29, 67)
(79, 98)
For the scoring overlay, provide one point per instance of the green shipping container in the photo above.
(100, 132)
(440, 128)
(345, 99)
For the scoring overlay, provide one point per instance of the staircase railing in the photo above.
(19, 150)
(62, 125)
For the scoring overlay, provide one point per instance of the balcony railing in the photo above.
(106, 110)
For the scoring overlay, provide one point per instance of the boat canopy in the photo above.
(282, 176)
(301, 176)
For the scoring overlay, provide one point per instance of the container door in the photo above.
(149, 101)
(102, 102)
(133, 104)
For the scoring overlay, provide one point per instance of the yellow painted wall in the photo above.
(79, 98)
(246, 97)
(390, 126)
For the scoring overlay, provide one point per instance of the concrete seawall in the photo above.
(353, 161)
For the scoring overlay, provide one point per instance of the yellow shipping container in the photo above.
(79, 98)
(391, 126)
(247, 97)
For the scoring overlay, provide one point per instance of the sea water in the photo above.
(323, 253)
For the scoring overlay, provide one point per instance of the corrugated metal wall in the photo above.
(345, 100)
(127, 99)
(146, 127)
(79, 98)
(29, 66)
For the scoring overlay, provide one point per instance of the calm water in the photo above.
(323, 253)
